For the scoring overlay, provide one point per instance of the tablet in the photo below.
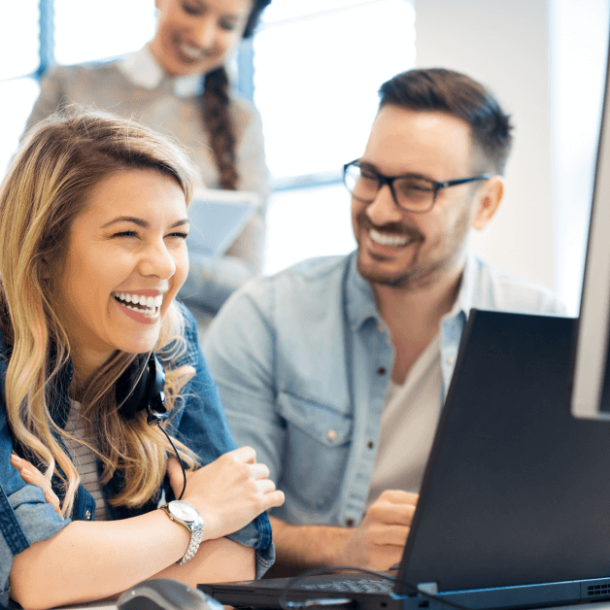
(218, 217)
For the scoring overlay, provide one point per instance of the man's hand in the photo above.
(378, 542)
(30, 474)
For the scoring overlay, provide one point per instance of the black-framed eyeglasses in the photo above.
(410, 193)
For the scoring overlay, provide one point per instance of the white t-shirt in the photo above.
(408, 425)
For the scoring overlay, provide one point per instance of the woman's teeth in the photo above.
(387, 240)
(191, 52)
(139, 303)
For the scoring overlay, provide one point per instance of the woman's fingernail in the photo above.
(15, 458)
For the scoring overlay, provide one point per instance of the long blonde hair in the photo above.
(46, 187)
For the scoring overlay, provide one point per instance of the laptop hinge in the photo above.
(431, 588)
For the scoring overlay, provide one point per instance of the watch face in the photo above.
(182, 510)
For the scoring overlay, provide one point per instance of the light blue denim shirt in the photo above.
(302, 360)
(197, 420)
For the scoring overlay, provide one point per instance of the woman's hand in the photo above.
(229, 493)
(30, 474)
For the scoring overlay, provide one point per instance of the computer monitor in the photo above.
(591, 389)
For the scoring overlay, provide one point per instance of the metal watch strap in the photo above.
(196, 536)
(196, 530)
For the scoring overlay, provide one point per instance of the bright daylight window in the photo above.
(317, 67)
(72, 31)
(88, 31)
(19, 35)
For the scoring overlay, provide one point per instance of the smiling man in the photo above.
(336, 369)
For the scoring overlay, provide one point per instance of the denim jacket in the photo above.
(302, 360)
(197, 420)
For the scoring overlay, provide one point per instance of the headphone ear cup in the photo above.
(141, 387)
(156, 392)
(131, 388)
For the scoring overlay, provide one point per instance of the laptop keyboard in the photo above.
(356, 585)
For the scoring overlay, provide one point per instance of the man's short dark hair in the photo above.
(459, 95)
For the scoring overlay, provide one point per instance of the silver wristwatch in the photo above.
(188, 516)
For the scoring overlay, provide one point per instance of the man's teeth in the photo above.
(388, 240)
(146, 304)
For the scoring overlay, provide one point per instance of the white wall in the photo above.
(503, 44)
(506, 44)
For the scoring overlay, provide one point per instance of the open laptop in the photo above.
(218, 217)
(514, 509)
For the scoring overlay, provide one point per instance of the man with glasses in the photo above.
(335, 370)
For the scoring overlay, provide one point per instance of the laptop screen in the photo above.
(515, 488)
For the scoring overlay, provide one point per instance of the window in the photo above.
(19, 40)
(88, 31)
(35, 33)
(317, 68)
(307, 222)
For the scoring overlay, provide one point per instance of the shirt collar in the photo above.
(463, 302)
(361, 304)
(143, 70)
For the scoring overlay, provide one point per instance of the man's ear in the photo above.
(488, 200)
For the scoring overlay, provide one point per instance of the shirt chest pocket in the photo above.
(317, 444)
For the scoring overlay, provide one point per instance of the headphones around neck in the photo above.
(141, 387)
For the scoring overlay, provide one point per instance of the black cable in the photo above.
(179, 460)
(290, 585)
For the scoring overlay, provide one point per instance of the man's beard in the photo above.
(413, 275)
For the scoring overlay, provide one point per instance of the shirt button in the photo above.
(349, 522)
(331, 435)
(381, 370)
(450, 359)
(370, 444)
(88, 515)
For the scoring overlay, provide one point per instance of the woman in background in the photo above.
(93, 223)
(178, 84)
